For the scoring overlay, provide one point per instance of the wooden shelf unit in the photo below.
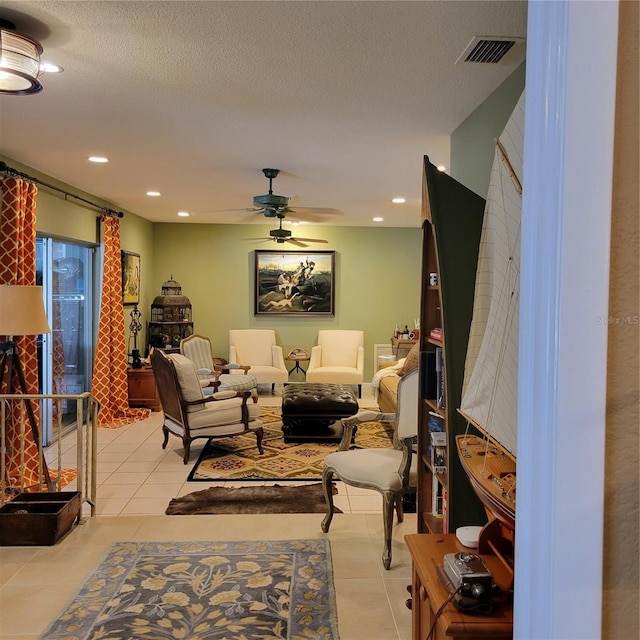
(451, 227)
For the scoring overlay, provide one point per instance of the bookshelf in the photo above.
(451, 227)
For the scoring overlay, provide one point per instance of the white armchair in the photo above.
(189, 414)
(258, 348)
(338, 358)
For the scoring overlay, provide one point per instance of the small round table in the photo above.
(298, 358)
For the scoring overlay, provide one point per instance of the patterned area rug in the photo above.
(237, 458)
(206, 591)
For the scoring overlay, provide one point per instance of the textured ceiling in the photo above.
(193, 99)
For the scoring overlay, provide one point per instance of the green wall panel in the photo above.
(377, 280)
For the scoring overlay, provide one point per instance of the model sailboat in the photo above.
(489, 395)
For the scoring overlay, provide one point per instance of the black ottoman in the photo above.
(312, 412)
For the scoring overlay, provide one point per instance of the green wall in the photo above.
(472, 142)
(377, 281)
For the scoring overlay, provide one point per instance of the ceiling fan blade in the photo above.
(309, 239)
(296, 241)
(325, 211)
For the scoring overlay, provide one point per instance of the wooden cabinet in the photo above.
(429, 594)
(142, 389)
(451, 227)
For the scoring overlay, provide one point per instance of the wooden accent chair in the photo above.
(189, 414)
(393, 472)
(258, 348)
(338, 358)
(217, 377)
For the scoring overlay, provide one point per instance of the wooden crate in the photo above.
(38, 519)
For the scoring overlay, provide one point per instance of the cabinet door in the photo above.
(142, 389)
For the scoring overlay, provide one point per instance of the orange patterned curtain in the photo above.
(18, 266)
(109, 382)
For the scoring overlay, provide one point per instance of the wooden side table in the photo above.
(142, 389)
(401, 344)
(429, 594)
(301, 356)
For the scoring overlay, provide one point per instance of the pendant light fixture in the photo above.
(19, 62)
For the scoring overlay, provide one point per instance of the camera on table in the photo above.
(469, 581)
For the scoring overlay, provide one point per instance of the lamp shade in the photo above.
(19, 64)
(22, 311)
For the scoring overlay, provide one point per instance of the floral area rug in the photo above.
(237, 458)
(206, 591)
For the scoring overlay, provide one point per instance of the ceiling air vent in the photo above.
(492, 50)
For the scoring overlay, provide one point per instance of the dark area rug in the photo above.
(272, 499)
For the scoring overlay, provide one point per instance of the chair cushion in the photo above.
(374, 468)
(237, 382)
(224, 414)
(337, 375)
(188, 380)
(266, 374)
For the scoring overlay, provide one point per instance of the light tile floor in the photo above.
(137, 479)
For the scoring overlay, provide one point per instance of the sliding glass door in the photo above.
(65, 356)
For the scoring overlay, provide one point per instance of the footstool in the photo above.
(312, 412)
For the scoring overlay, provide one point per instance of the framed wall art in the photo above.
(130, 277)
(295, 283)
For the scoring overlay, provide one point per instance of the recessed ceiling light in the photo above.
(155, 194)
(98, 159)
(398, 200)
(378, 219)
(184, 214)
(441, 167)
(48, 67)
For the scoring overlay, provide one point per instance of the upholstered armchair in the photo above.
(392, 472)
(216, 377)
(258, 348)
(189, 414)
(338, 358)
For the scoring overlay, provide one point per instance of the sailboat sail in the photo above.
(491, 369)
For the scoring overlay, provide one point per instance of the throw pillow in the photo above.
(411, 361)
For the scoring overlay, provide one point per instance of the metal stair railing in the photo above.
(52, 458)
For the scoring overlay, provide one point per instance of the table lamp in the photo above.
(21, 314)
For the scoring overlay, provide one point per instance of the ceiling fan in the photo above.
(281, 235)
(272, 205)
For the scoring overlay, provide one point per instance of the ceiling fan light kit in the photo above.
(19, 62)
(281, 236)
(272, 204)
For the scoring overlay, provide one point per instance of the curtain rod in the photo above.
(4, 168)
